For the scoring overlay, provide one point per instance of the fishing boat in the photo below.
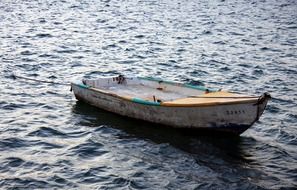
(173, 104)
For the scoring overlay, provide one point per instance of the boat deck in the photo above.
(174, 97)
(145, 92)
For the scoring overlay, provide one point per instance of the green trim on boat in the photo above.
(82, 86)
(158, 80)
(145, 102)
(203, 88)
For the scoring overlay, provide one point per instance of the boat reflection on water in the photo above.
(201, 144)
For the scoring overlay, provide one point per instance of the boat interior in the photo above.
(155, 90)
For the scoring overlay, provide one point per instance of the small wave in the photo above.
(47, 145)
(59, 182)
(139, 36)
(109, 46)
(70, 51)
(13, 143)
(88, 150)
(27, 53)
(44, 35)
(206, 32)
(127, 62)
(236, 34)
(12, 162)
(45, 55)
(47, 132)
(24, 183)
(258, 72)
(11, 106)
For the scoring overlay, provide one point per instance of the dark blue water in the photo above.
(49, 140)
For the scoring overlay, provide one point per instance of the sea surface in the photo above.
(49, 140)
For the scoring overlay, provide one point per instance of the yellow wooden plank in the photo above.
(210, 99)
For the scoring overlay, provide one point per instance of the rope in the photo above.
(236, 97)
(14, 76)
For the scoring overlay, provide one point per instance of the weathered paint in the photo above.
(228, 117)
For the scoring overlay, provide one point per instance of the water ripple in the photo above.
(50, 141)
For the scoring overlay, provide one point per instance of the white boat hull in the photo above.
(233, 118)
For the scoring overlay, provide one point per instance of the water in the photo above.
(49, 140)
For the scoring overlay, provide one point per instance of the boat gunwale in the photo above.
(167, 104)
(196, 87)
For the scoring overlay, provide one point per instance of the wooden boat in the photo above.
(173, 104)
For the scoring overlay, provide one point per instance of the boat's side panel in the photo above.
(180, 88)
(221, 116)
(111, 81)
